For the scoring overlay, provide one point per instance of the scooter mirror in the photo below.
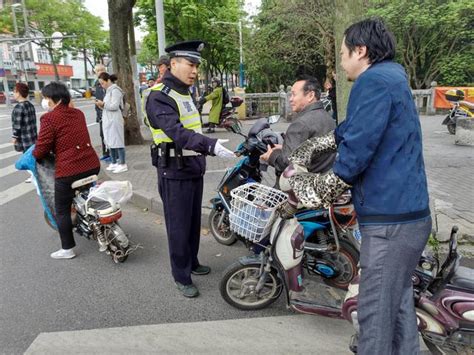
(273, 119)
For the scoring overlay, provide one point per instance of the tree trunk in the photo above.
(51, 54)
(347, 13)
(120, 12)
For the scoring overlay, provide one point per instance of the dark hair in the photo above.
(373, 34)
(57, 91)
(106, 77)
(164, 59)
(22, 89)
(310, 84)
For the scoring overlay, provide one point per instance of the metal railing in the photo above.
(277, 103)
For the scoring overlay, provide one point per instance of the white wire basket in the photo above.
(253, 209)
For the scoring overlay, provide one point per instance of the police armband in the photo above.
(317, 190)
(315, 146)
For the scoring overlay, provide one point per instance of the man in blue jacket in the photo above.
(380, 157)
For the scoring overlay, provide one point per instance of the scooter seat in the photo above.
(464, 277)
(85, 181)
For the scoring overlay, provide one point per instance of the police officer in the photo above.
(179, 152)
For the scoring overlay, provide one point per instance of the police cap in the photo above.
(191, 50)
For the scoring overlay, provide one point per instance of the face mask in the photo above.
(45, 104)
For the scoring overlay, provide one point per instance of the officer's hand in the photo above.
(222, 151)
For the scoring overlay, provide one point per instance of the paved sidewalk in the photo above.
(450, 171)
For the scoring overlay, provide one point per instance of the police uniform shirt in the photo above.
(163, 113)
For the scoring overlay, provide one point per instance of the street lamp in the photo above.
(241, 64)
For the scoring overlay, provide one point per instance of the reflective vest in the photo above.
(188, 113)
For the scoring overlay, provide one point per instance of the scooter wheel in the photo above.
(238, 287)
(222, 234)
(345, 261)
(451, 128)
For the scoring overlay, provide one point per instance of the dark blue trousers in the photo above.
(182, 201)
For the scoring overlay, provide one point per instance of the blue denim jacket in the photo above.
(380, 148)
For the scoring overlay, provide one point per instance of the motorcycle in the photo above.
(256, 281)
(228, 117)
(460, 109)
(248, 169)
(444, 303)
(95, 215)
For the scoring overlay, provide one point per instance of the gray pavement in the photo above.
(450, 170)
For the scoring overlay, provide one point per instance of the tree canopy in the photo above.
(195, 19)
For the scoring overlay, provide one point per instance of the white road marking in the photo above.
(14, 192)
(7, 171)
(5, 145)
(9, 155)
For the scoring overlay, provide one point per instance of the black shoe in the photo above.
(189, 291)
(210, 130)
(201, 270)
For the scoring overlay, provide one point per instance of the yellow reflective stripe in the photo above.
(193, 118)
(193, 126)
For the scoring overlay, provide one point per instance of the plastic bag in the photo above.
(116, 191)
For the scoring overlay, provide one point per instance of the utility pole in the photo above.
(84, 53)
(241, 49)
(15, 25)
(160, 27)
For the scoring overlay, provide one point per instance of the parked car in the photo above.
(80, 91)
(75, 94)
(3, 98)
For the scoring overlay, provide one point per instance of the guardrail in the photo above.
(277, 103)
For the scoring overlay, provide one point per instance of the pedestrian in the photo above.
(99, 96)
(151, 82)
(113, 122)
(216, 96)
(332, 95)
(24, 131)
(163, 66)
(311, 120)
(64, 132)
(179, 153)
(380, 156)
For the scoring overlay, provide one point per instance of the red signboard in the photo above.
(48, 69)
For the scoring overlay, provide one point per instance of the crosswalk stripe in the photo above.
(6, 145)
(15, 192)
(7, 171)
(9, 155)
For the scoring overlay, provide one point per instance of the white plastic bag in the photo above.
(116, 191)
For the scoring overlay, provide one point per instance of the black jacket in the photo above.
(163, 113)
(313, 121)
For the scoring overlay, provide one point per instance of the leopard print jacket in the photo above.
(316, 145)
(317, 190)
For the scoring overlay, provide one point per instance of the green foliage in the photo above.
(192, 19)
(291, 37)
(434, 38)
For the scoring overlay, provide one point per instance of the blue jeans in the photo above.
(117, 155)
(386, 312)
